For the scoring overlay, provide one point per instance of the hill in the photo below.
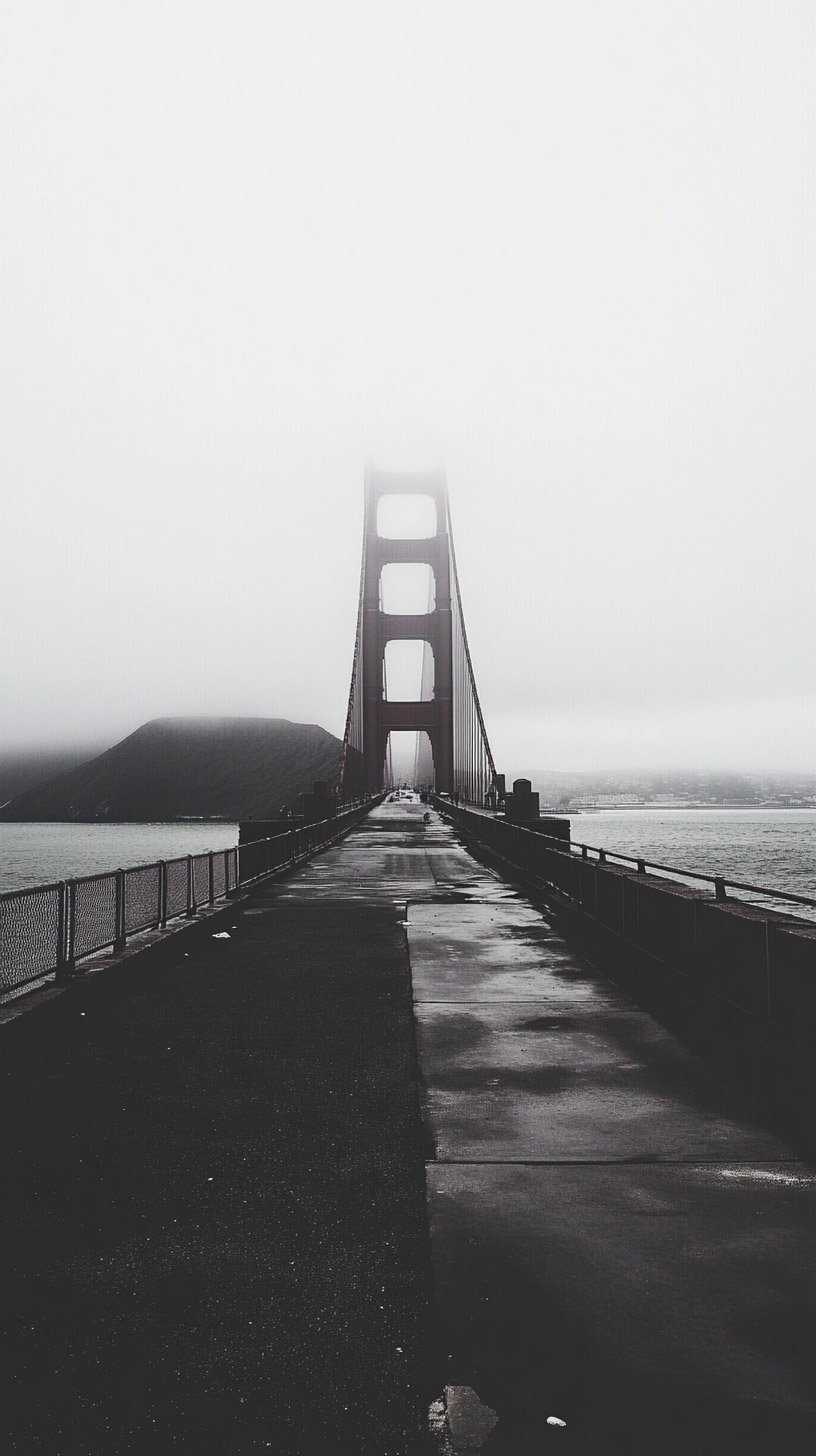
(172, 768)
(22, 769)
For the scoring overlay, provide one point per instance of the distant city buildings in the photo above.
(574, 791)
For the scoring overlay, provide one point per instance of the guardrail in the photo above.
(522, 846)
(738, 977)
(261, 857)
(47, 929)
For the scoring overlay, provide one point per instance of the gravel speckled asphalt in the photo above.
(214, 1229)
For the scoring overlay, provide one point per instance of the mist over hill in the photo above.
(22, 769)
(171, 768)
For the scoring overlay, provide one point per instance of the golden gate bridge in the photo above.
(453, 749)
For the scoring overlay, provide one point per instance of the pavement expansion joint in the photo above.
(494, 1001)
(653, 1160)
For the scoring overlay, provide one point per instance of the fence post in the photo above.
(211, 876)
(61, 922)
(69, 964)
(226, 874)
(191, 900)
(119, 934)
(162, 894)
(719, 888)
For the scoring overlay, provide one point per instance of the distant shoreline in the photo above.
(182, 819)
(546, 810)
(672, 808)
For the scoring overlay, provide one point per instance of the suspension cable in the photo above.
(353, 689)
(463, 629)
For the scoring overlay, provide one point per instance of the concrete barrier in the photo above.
(791, 981)
(741, 980)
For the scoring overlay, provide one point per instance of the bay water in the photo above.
(38, 854)
(774, 847)
(768, 847)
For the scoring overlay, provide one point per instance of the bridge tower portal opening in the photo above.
(409, 761)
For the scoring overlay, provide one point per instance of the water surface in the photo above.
(774, 847)
(36, 854)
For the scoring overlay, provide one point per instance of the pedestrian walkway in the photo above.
(615, 1247)
(218, 1231)
(214, 1230)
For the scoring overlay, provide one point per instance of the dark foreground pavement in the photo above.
(218, 1233)
(214, 1230)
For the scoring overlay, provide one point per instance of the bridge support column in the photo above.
(378, 628)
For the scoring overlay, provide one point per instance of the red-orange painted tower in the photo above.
(379, 628)
(452, 718)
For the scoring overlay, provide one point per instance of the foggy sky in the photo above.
(563, 251)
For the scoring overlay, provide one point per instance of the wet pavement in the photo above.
(623, 1260)
(222, 1184)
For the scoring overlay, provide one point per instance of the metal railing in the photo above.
(262, 857)
(518, 844)
(722, 883)
(47, 929)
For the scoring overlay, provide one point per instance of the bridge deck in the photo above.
(218, 1225)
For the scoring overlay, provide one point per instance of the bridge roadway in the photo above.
(217, 1233)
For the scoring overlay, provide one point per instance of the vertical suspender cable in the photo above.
(474, 714)
(353, 734)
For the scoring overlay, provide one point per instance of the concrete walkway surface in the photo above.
(257, 1204)
(615, 1247)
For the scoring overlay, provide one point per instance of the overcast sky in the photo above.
(565, 251)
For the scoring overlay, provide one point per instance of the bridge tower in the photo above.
(452, 718)
(379, 628)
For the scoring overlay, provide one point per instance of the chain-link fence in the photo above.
(177, 887)
(201, 879)
(48, 928)
(32, 934)
(92, 914)
(143, 898)
(219, 875)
